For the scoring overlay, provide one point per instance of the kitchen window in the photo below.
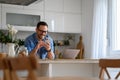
(114, 27)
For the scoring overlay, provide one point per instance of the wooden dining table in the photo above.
(67, 78)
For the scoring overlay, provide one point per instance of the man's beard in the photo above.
(41, 36)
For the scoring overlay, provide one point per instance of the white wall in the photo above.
(87, 16)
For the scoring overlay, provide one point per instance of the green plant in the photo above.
(6, 37)
(20, 42)
(9, 36)
(2, 37)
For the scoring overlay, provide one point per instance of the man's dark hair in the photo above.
(42, 23)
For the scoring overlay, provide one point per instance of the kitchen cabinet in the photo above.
(63, 15)
(72, 23)
(0, 17)
(54, 15)
(55, 21)
(21, 19)
(72, 6)
(54, 5)
(65, 23)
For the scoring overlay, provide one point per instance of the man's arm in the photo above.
(38, 46)
(33, 52)
(50, 55)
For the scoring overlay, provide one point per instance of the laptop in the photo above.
(70, 53)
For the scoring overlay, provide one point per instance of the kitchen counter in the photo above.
(69, 67)
(69, 61)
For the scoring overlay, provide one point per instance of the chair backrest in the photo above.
(2, 64)
(23, 63)
(108, 63)
(5, 68)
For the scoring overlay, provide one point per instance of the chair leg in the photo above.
(6, 74)
(14, 75)
(31, 75)
(101, 73)
(107, 73)
(117, 75)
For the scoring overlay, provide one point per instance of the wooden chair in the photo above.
(108, 63)
(5, 67)
(23, 63)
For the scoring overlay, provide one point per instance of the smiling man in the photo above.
(40, 43)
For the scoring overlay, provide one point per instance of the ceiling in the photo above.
(18, 2)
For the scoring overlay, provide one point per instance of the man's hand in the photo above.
(43, 44)
(48, 48)
(47, 45)
(38, 46)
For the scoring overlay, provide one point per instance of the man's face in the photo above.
(41, 31)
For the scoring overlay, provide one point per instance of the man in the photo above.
(40, 43)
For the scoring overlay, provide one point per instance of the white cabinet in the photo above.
(0, 17)
(54, 15)
(72, 16)
(55, 21)
(73, 6)
(65, 23)
(15, 16)
(63, 15)
(54, 5)
(72, 23)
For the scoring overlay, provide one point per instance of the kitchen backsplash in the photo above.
(62, 40)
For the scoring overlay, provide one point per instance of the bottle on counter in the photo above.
(60, 56)
(26, 51)
(81, 47)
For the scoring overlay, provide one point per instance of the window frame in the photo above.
(111, 28)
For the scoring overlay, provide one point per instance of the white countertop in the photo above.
(69, 61)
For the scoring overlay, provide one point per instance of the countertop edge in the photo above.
(68, 61)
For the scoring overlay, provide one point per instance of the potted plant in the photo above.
(9, 38)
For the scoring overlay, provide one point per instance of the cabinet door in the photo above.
(54, 5)
(73, 6)
(72, 23)
(55, 21)
(0, 17)
(23, 27)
